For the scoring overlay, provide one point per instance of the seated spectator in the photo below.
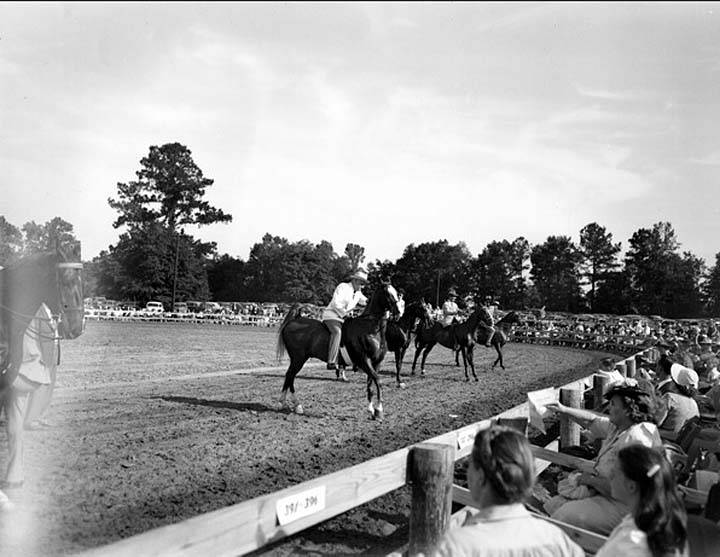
(501, 474)
(607, 369)
(657, 524)
(676, 387)
(587, 501)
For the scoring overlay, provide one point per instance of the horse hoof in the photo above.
(378, 415)
(299, 409)
(401, 385)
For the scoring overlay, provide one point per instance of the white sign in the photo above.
(537, 400)
(466, 438)
(300, 505)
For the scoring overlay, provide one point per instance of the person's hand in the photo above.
(555, 407)
(586, 479)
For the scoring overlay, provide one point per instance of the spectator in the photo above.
(657, 524)
(587, 501)
(37, 369)
(607, 369)
(676, 387)
(501, 474)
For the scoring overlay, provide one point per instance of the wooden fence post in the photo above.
(631, 367)
(622, 368)
(600, 385)
(569, 430)
(431, 474)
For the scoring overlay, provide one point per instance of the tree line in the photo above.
(155, 258)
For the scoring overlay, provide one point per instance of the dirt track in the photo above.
(155, 423)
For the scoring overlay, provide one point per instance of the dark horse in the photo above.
(462, 335)
(53, 278)
(499, 338)
(363, 337)
(400, 332)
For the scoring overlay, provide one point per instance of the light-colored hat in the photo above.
(452, 292)
(684, 376)
(359, 275)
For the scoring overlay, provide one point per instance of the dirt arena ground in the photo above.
(155, 423)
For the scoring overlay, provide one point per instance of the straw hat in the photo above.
(359, 275)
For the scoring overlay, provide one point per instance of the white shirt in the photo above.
(449, 311)
(506, 531)
(39, 348)
(627, 540)
(344, 300)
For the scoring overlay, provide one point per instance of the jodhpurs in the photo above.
(335, 327)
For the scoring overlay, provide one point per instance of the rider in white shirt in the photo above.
(450, 309)
(347, 295)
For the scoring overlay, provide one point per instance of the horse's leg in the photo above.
(499, 353)
(418, 348)
(399, 353)
(464, 356)
(471, 360)
(457, 357)
(289, 384)
(376, 410)
(424, 357)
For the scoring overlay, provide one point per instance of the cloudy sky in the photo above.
(378, 124)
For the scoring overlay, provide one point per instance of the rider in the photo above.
(450, 309)
(490, 306)
(347, 295)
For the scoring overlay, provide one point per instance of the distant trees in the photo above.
(499, 272)
(556, 273)
(711, 289)
(663, 281)
(599, 257)
(154, 258)
(32, 238)
(430, 269)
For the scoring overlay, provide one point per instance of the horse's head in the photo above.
(512, 317)
(70, 292)
(418, 314)
(384, 299)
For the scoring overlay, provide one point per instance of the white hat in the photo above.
(359, 275)
(684, 376)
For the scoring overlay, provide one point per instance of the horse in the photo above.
(400, 332)
(462, 335)
(363, 337)
(499, 338)
(41, 302)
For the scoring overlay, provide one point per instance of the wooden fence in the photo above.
(253, 524)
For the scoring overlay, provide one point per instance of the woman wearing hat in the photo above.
(347, 295)
(630, 420)
(675, 389)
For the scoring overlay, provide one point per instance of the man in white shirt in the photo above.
(346, 297)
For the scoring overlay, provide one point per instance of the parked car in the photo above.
(154, 307)
(181, 307)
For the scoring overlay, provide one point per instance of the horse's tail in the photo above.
(292, 314)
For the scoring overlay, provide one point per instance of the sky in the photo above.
(381, 124)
